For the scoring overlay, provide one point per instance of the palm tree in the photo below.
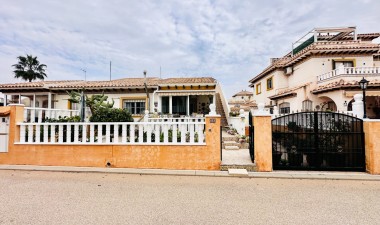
(29, 68)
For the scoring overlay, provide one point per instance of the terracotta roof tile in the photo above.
(288, 91)
(343, 84)
(192, 80)
(119, 83)
(243, 93)
(37, 84)
(125, 82)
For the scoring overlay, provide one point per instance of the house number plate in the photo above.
(212, 120)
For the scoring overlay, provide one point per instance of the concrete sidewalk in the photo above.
(276, 174)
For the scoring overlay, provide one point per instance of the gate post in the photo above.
(263, 142)
(372, 145)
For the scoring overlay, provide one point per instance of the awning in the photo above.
(185, 93)
(367, 93)
(5, 112)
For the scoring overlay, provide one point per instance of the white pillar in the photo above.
(212, 110)
(34, 100)
(49, 100)
(19, 98)
(146, 116)
(275, 110)
(159, 104)
(5, 100)
(357, 106)
(213, 99)
(261, 109)
(188, 106)
(170, 105)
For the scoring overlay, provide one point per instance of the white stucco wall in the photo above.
(280, 82)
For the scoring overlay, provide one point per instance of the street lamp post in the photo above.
(363, 85)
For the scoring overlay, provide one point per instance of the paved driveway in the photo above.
(94, 198)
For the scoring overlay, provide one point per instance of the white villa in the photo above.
(322, 73)
(242, 100)
(173, 97)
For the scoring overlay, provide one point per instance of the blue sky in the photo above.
(231, 41)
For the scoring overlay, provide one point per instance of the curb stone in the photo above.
(209, 173)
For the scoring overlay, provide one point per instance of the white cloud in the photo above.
(230, 40)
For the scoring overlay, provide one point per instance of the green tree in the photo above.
(29, 68)
(94, 102)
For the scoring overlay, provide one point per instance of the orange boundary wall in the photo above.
(372, 146)
(205, 157)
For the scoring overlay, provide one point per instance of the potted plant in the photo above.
(242, 139)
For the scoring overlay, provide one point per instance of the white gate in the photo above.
(4, 134)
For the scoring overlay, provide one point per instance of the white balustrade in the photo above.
(100, 133)
(145, 133)
(132, 133)
(22, 131)
(68, 133)
(141, 133)
(41, 114)
(177, 119)
(349, 71)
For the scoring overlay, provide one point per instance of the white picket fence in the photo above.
(129, 133)
(38, 115)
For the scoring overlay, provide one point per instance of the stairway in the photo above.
(235, 155)
(220, 110)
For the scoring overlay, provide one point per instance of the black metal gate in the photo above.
(318, 141)
(251, 138)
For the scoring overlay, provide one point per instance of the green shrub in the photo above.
(111, 115)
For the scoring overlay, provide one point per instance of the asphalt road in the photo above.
(95, 198)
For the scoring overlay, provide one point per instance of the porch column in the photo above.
(5, 100)
(213, 99)
(19, 98)
(170, 105)
(49, 100)
(188, 106)
(159, 104)
(34, 100)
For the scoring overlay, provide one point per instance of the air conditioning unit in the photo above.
(289, 70)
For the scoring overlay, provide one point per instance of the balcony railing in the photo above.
(40, 114)
(349, 71)
(177, 119)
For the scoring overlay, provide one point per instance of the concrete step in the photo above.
(231, 147)
(249, 168)
(231, 143)
(229, 138)
(244, 145)
(237, 172)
